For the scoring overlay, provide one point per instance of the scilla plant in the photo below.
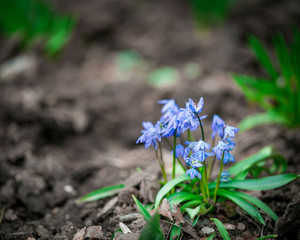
(278, 93)
(194, 190)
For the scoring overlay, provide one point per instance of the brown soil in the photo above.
(69, 125)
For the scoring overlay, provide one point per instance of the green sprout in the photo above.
(32, 20)
(278, 94)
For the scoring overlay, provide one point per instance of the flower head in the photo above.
(179, 151)
(169, 109)
(193, 107)
(197, 146)
(220, 148)
(217, 126)
(193, 173)
(225, 176)
(150, 134)
(194, 161)
(230, 131)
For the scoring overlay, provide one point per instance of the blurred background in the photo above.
(78, 78)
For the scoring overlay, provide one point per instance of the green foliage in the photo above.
(167, 188)
(193, 204)
(221, 229)
(257, 162)
(278, 94)
(208, 13)
(35, 19)
(153, 230)
(175, 231)
(267, 237)
(143, 210)
(101, 193)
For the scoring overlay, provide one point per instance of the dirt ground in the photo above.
(69, 125)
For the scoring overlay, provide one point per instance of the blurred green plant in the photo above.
(32, 20)
(279, 93)
(208, 13)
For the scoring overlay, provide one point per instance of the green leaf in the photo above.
(254, 201)
(153, 230)
(245, 164)
(211, 237)
(250, 209)
(189, 204)
(266, 237)
(175, 231)
(192, 212)
(179, 197)
(143, 210)
(262, 118)
(262, 56)
(260, 183)
(167, 188)
(221, 229)
(101, 193)
(241, 169)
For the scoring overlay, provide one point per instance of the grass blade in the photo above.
(179, 197)
(143, 210)
(261, 118)
(254, 201)
(260, 183)
(101, 193)
(221, 229)
(262, 56)
(153, 230)
(266, 237)
(247, 207)
(167, 188)
(175, 231)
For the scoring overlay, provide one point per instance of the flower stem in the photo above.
(218, 179)
(161, 164)
(180, 163)
(202, 131)
(174, 155)
(211, 162)
(205, 179)
(203, 190)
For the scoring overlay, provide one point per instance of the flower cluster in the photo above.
(175, 121)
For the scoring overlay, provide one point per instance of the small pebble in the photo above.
(207, 230)
(229, 226)
(241, 226)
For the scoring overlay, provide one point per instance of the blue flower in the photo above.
(230, 131)
(194, 161)
(225, 176)
(168, 105)
(193, 107)
(150, 134)
(179, 151)
(228, 157)
(193, 173)
(187, 120)
(217, 126)
(170, 127)
(197, 146)
(220, 148)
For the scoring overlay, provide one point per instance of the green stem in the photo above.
(190, 136)
(202, 131)
(180, 163)
(203, 190)
(174, 155)
(161, 164)
(211, 161)
(218, 179)
(205, 179)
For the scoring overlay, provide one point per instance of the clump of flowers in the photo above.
(193, 156)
